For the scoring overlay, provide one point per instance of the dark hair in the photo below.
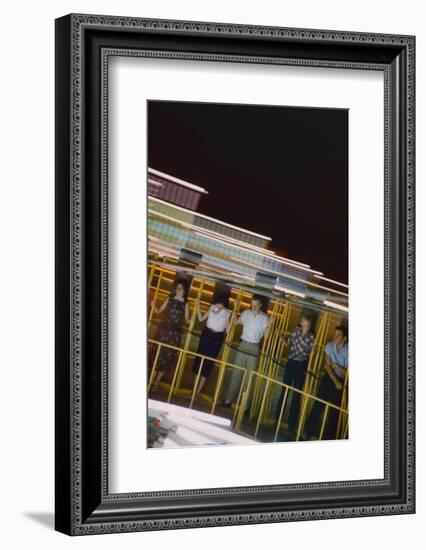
(221, 299)
(184, 284)
(344, 330)
(259, 298)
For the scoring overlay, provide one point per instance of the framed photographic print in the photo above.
(234, 205)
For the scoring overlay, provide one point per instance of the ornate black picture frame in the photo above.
(83, 45)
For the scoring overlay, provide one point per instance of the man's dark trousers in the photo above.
(294, 375)
(328, 392)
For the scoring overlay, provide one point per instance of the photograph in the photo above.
(248, 276)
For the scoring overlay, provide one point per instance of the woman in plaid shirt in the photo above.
(301, 342)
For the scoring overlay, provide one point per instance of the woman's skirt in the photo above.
(167, 357)
(210, 344)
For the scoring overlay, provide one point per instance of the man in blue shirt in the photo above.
(332, 384)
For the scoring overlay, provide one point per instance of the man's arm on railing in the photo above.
(331, 373)
(342, 372)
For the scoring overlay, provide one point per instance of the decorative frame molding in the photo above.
(84, 43)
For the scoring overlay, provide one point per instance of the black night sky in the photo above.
(278, 171)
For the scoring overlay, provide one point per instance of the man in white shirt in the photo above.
(255, 322)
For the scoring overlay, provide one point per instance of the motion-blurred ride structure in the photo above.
(216, 258)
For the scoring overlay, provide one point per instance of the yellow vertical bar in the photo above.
(281, 413)
(345, 433)
(151, 275)
(160, 276)
(287, 314)
(196, 382)
(276, 352)
(272, 353)
(239, 396)
(327, 407)
(290, 305)
(315, 359)
(264, 357)
(262, 407)
(231, 330)
(224, 358)
(266, 344)
(272, 338)
(239, 417)
(218, 385)
(342, 406)
(342, 425)
(226, 347)
(283, 328)
(310, 380)
(323, 342)
(174, 377)
(154, 367)
(314, 354)
(188, 338)
(301, 420)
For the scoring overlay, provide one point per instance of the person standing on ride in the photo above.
(332, 384)
(211, 338)
(301, 342)
(176, 312)
(255, 324)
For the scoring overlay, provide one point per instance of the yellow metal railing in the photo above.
(243, 396)
(272, 357)
(268, 382)
(180, 365)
